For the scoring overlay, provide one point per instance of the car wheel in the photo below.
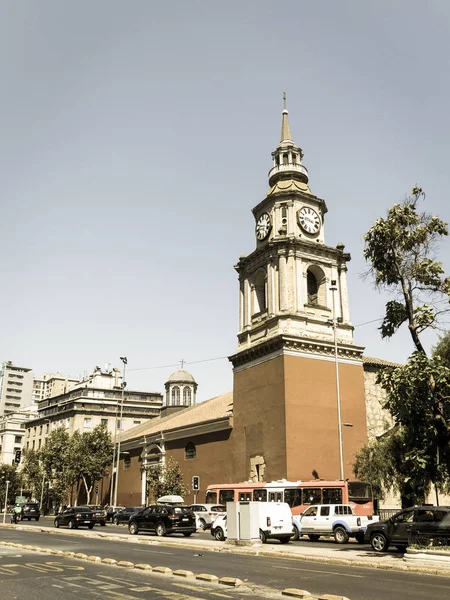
(91, 526)
(340, 535)
(219, 534)
(133, 528)
(160, 530)
(202, 524)
(402, 548)
(37, 519)
(115, 521)
(359, 538)
(379, 542)
(72, 524)
(29, 518)
(187, 533)
(296, 533)
(56, 523)
(262, 536)
(285, 539)
(313, 537)
(102, 523)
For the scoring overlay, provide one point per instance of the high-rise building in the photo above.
(16, 384)
(51, 384)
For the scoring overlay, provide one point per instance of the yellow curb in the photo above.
(332, 597)
(295, 593)
(207, 577)
(125, 563)
(94, 558)
(143, 567)
(80, 555)
(183, 573)
(231, 581)
(163, 570)
(109, 561)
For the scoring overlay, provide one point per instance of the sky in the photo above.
(136, 137)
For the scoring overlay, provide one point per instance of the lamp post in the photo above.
(43, 476)
(116, 483)
(333, 289)
(6, 500)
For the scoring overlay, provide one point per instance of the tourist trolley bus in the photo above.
(298, 494)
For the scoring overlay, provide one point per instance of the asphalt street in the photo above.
(26, 574)
(278, 573)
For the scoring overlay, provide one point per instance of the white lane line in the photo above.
(323, 572)
(154, 551)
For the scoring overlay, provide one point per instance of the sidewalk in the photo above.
(346, 554)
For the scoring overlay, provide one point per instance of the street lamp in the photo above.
(117, 454)
(43, 475)
(333, 289)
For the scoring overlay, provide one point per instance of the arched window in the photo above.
(190, 451)
(187, 395)
(313, 288)
(316, 286)
(259, 296)
(175, 396)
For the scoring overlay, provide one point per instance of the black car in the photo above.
(123, 515)
(76, 516)
(30, 510)
(163, 519)
(414, 521)
(99, 513)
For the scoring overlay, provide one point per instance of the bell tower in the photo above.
(295, 339)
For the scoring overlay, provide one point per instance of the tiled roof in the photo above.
(214, 409)
(379, 362)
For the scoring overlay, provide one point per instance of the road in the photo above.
(25, 574)
(278, 573)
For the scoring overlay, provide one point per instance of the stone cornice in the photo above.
(286, 195)
(292, 345)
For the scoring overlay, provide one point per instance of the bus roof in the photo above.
(277, 484)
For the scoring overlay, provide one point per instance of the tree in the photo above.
(58, 463)
(32, 473)
(415, 453)
(442, 349)
(163, 480)
(9, 473)
(400, 250)
(92, 452)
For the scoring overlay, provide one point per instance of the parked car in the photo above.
(416, 520)
(111, 511)
(99, 514)
(163, 519)
(206, 513)
(30, 510)
(76, 516)
(219, 528)
(123, 515)
(337, 520)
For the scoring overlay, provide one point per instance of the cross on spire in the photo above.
(284, 100)
(182, 361)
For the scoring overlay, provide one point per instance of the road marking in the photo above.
(154, 551)
(323, 572)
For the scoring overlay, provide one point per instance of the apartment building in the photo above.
(12, 431)
(51, 384)
(16, 384)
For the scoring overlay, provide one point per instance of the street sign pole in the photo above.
(6, 501)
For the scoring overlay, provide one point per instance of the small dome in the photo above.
(181, 376)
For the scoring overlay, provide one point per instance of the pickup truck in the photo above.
(331, 519)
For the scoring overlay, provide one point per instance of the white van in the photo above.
(273, 520)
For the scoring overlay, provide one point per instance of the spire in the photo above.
(286, 135)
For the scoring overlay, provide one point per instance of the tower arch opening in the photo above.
(260, 292)
(316, 288)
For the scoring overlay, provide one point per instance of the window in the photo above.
(324, 511)
(126, 462)
(226, 496)
(285, 158)
(259, 293)
(18, 439)
(293, 497)
(260, 495)
(275, 496)
(245, 496)
(136, 422)
(312, 496)
(332, 496)
(211, 497)
(104, 422)
(187, 395)
(310, 512)
(190, 451)
(342, 510)
(175, 396)
(87, 422)
(404, 517)
(68, 423)
(312, 288)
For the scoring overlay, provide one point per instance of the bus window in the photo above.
(312, 496)
(359, 492)
(211, 498)
(260, 495)
(245, 496)
(332, 496)
(275, 496)
(226, 496)
(293, 496)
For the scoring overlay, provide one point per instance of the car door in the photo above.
(308, 520)
(400, 526)
(145, 518)
(323, 521)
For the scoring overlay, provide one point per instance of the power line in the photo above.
(194, 362)
(367, 322)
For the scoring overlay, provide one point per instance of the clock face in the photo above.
(308, 220)
(263, 226)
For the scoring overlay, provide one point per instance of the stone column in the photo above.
(291, 282)
(144, 484)
(282, 278)
(299, 284)
(343, 293)
(246, 310)
(270, 303)
(241, 305)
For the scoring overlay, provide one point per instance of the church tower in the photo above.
(296, 361)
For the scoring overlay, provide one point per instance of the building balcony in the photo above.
(294, 168)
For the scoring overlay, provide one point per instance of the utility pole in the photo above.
(124, 383)
(333, 289)
(6, 500)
